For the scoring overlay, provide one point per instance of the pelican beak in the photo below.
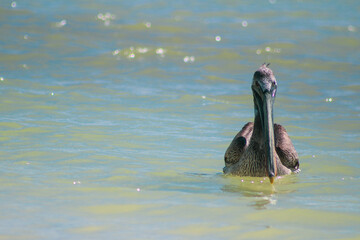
(272, 179)
(264, 91)
(268, 128)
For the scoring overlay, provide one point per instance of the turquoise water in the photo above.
(115, 116)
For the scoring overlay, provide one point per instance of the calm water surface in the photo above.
(115, 115)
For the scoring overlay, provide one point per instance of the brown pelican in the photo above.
(262, 148)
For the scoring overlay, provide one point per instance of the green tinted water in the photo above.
(114, 125)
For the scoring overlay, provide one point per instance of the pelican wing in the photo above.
(238, 144)
(285, 149)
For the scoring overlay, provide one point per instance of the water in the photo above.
(115, 115)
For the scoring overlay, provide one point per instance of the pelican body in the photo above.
(262, 148)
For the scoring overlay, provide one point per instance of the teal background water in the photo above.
(115, 115)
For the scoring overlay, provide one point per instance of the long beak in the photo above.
(268, 128)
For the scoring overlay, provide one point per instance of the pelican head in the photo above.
(264, 90)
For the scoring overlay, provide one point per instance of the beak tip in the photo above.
(272, 179)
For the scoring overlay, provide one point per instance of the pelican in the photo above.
(262, 148)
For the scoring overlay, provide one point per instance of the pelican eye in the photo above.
(273, 85)
(273, 88)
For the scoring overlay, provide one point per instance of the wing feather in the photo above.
(285, 149)
(238, 145)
